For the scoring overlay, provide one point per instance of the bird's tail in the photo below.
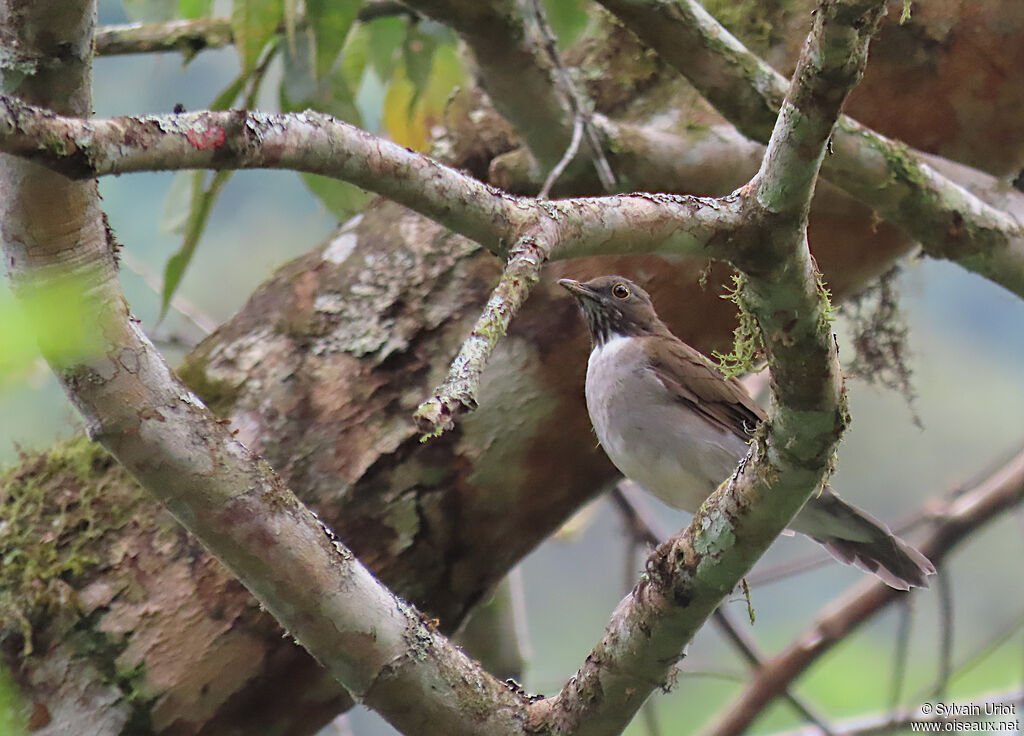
(857, 538)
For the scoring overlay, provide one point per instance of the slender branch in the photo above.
(374, 9)
(962, 516)
(903, 720)
(895, 181)
(995, 640)
(307, 141)
(901, 653)
(458, 393)
(567, 157)
(185, 307)
(187, 36)
(201, 34)
(580, 106)
(945, 669)
(646, 529)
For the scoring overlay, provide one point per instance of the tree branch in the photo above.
(320, 144)
(646, 531)
(886, 175)
(962, 516)
(902, 720)
(375, 644)
(187, 36)
(458, 393)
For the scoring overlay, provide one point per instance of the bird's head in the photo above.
(614, 306)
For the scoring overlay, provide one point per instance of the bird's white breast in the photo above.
(654, 439)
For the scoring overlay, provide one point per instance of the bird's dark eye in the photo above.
(620, 291)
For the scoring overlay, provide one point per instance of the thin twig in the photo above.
(374, 9)
(458, 393)
(185, 307)
(978, 656)
(945, 591)
(964, 514)
(570, 154)
(187, 36)
(883, 723)
(578, 103)
(899, 667)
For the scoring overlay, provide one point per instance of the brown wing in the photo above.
(696, 382)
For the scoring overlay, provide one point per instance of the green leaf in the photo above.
(54, 318)
(339, 197)
(150, 11)
(291, 12)
(568, 19)
(418, 54)
(301, 90)
(254, 23)
(330, 21)
(229, 94)
(195, 8)
(385, 36)
(355, 55)
(203, 198)
(177, 203)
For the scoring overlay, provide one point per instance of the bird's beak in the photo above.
(575, 288)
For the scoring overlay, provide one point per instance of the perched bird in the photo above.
(676, 426)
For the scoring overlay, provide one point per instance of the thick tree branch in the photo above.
(961, 517)
(320, 144)
(884, 174)
(187, 36)
(371, 641)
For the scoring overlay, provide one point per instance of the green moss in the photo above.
(55, 507)
(751, 21)
(879, 333)
(103, 651)
(219, 396)
(828, 312)
(903, 165)
(13, 721)
(58, 145)
(748, 348)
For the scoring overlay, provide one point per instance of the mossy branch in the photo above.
(458, 393)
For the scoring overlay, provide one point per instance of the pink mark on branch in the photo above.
(206, 139)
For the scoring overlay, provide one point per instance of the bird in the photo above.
(675, 425)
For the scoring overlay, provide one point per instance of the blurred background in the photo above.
(966, 338)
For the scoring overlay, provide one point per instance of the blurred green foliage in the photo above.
(55, 319)
(12, 720)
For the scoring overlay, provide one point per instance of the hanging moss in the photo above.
(748, 348)
(55, 508)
